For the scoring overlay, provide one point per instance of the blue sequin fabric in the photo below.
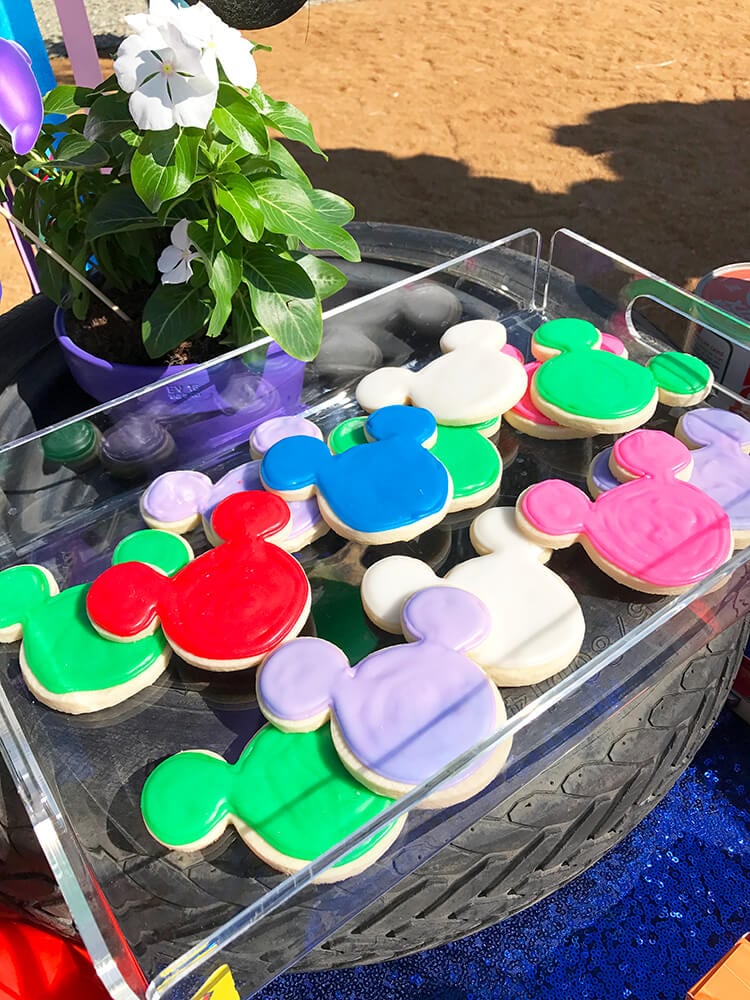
(645, 923)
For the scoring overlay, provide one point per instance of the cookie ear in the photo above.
(447, 616)
(254, 514)
(709, 426)
(559, 335)
(681, 378)
(385, 387)
(176, 497)
(388, 584)
(555, 510)
(296, 684)
(293, 464)
(496, 531)
(160, 549)
(267, 434)
(600, 478)
(122, 603)
(474, 333)
(348, 434)
(404, 422)
(185, 800)
(649, 452)
(22, 589)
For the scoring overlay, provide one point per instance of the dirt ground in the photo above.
(629, 123)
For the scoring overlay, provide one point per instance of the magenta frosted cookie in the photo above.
(653, 532)
(403, 712)
(719, 441)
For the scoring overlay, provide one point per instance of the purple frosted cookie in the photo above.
(276, 429)
(178, 501)
(403, 712)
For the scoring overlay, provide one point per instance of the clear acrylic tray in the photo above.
(159, 923)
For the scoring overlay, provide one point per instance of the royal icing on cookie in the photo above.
(64, 661)
(288, 795)
(537, 622)
(265, 435)
(178, 500)
(581, 386)
(720, 464)
(473, 462)
(389, 490)
(403, 712)
(225, 610)
(472, 382)
(526, 417)
(655, 533)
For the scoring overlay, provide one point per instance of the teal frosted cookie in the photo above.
(289, 796)
(587, 389)
(473, 462)
(65, 662)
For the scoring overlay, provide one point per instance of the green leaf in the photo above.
(326, 278)
(66, 98)
(237, 196)
(118, 210)
(172, 314)
(287, 165)
(164, 165)
(287, 209)
(239, 120)
(287, 119)
(109, 117)
(284, 302)
(76, 153)
(224, 278)
(331, 206)
(245, 327)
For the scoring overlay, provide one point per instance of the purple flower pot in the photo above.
(217, 406)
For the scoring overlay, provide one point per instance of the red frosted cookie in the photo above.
(225, 610)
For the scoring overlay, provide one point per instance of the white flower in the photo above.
(164, 74)
(174, 262)
(201, 27)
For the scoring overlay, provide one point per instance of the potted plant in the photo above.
(169, 187)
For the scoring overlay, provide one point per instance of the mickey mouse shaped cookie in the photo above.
(537, 622)
(181, 499)
(654, 532)
(389, 490)
(403, 712)
(65, 663)
(527, 418)
(225, 610)
(288, 796)
(720, 464)
(472, 382)
(473, 462)
(598, 392)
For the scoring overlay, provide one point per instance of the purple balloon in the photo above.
(21, 110)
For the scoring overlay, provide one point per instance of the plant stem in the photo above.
(37, 241)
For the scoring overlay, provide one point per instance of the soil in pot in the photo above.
(107, 336)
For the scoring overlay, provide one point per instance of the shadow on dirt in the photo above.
(678, 202)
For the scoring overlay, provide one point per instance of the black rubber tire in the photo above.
(536, 841)
(560, 823)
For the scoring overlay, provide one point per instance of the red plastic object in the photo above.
(36, 963)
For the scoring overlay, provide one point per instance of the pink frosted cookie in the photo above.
(403, 712)
(179, 500)
(472, 382)
(526, 417)
(225, 610)
(654, 532)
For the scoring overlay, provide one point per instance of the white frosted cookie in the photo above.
(537, 622)
(472, 382)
